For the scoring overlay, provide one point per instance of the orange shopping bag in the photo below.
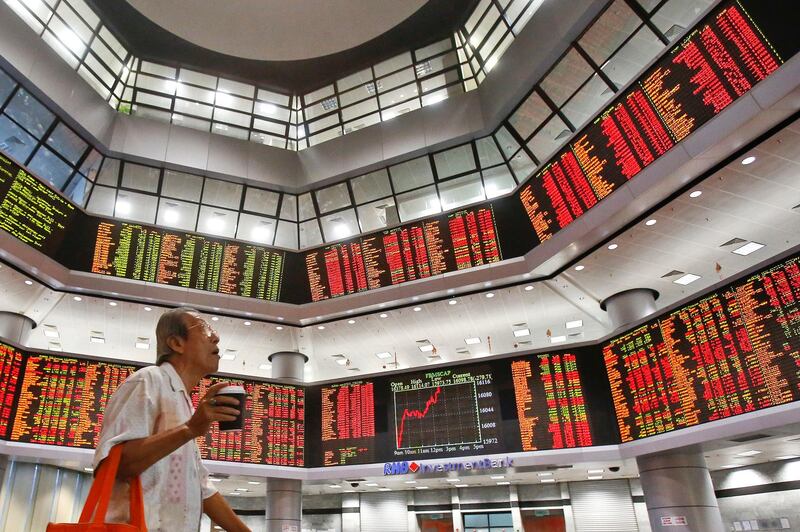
(94, 511)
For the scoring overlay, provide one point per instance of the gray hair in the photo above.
(171, 323)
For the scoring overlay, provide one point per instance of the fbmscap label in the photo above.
(674, 520)
(402, 468)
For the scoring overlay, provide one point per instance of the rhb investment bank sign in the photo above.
(403, 468)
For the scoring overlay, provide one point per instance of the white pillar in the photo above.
(16, 327)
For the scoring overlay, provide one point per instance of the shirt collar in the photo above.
(174, 379)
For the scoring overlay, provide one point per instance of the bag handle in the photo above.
(100, 494)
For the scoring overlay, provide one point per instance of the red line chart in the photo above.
(419, 414)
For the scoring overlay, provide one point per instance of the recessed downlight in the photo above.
(351, 322)
(746, 454)
(112, 303)
(28, 282)
(490, 295)
(426, 348)
(147, 309)
(557, 339)
(748, 248)
(686, 278)
(474, 340)
(247, 324)
(77, 298)
(574, 324)
(519, 333)
(529, 288)
(278, 328)
(750, 159)
(321, 327)
(383, 355)
(384, 315)
(417, 309)
(651, 221)
(452, 302)
(612, 247)
(264, 366)
(695, 193)
(579, 267)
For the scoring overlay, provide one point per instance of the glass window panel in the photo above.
(446, 78)
(273, 97)
(321, 108)
(566, 77)
(461, 191)
(7, 85)
(390, 65)
(433, 49)
(73, 22)
(178, 214)
(140, 177)
(522, 165)
(94, 81)
(497, 181)
(530, 115)
(364, 121)
(476, 15)
(310, 234)
(512, 12)
(230, 131)
(65, 53)
(67, 143)
(339, 225)
(354, 80)
(195, 93)
(508, 144)
(78, 190)
(488, 152)
(289, 207)
(156, 101)
(181, 186)
(261, 201)
(609, 31)
(587, 101)
(319, 94)
(396, 80)
(159, 70)
(271, 127)
(454, 161)
(633, 57)
(488, 48)
(411, 174)
(332, 198)
(435, 97)
(196, 78)
(360, 109)
(222, 193)
(325, 136)
(355, 95)
(503, 519)
(232, 117)
(234, 87)
(677, 15)
(47, 166)
(286, 235)
(484, 26)
(256, 229)
(91, 164)
(648, 5)
(270, 140)
(418, 203)
(552, 135)
(162, 86)
(135, 206)
(371, 186)
(109, 172)
(306, 206)
(270, 110)
(85, 12)
(193, 108)
(234, 102)
(476, 520)
(100, 71)
(403, 108)
(14, 141)
(101, 201)
(194, 123)
(112, 43)
(323, 123)
(217, 221)
(398, 95)
(29, 113)
(39, 8)
(378, 214)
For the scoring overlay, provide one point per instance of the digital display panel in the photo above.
(454, 241)
(10, 376)
(347, 415)
(734, 351)
(712, 66)
(31, 211)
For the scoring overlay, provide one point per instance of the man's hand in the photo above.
(212, 408)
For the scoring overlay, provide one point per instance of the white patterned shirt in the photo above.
(151, 401)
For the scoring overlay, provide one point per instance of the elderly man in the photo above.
(151, 412)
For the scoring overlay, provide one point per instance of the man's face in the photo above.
(200, 346)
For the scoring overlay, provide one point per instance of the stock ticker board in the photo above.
(734, 351)
(733, 48)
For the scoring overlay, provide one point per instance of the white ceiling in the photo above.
(269, 29)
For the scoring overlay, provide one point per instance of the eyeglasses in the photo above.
(208, 330)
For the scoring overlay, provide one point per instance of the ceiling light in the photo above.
(334, 486)
(171, 216)
(529, 288)
(472, 341)
(453, 479)
(372, 484)
(729, 466)
(54, 346)
(426, 348)
(216, 222)
(651, 221)
(490, 295)
(77, 298)
(214, 318)
(264, 366)
(234, 493)
(384, 315)
(147, 309)
(247, 324)
(557, 339)
(28, 282)
(278, 328)
(579, 267)
(351, 321)
(696, 194)
(686, 278)
(383, 355)
(746, 454)
(452, 302)
(253, 483)
(503, 483)
(411, 481)
(548, 480)
(750, 159)
(112, 303)
(123, 207)
(342, 361)
(545, 474)
(321, 327)
(595, 471)
(519, 333)
(212, 479)
(595, 477)
(97, 339)
(787, 457)
(50, 331)
(142, 343)
(748, 248)
(612, 247)
(574, 324)
(229, 354)
(497, 477)
(462, 485)
(384, 489)
(417, 309)
(89, 469)
(420, 487)
(244, 490)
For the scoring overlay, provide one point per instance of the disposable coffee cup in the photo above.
(237, 392)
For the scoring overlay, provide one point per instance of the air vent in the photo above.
(733, 241)
(522, 324)
(670, 274)
(674, 31)
(353, 369)
(462, 350)
(525, 342)
(749, 437)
